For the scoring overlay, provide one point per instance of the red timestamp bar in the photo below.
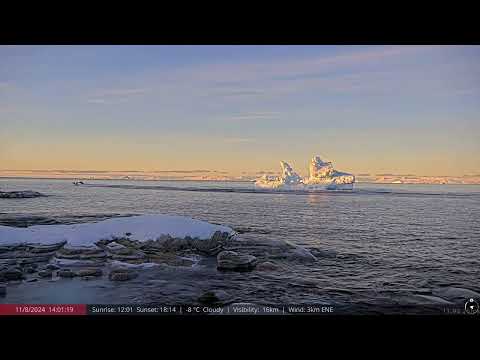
(43, 309)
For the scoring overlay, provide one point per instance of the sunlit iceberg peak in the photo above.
(322, 177)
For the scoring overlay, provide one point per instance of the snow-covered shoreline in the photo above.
(139, 228)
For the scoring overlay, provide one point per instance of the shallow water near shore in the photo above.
(378, 245)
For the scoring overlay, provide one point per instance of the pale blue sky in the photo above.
(369, 109)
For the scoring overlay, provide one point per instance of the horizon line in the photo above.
(220, 172)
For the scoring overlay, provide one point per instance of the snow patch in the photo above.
(141, 228)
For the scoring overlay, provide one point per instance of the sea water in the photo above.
(385, 241)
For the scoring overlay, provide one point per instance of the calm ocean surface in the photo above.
(387, 238)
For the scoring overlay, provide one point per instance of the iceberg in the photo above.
(322, 176)
(288, 178)
(323, 173)
(281, 182)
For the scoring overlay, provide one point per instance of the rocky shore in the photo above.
(221, 270)
(19, 194)
(34, 261)
(121, 259)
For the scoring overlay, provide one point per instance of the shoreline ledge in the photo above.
(118, 244)
(26, 194)
(165, 230)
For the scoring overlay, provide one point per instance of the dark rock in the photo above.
(169, 258)
(39, 259)
(231, 260)
(103, 243)
(128, 254)
(66, 273)
(45, 273)
(3, 290)
(29, 270)
(81, 254)
(12, 274)
(22, 263)
(123, 251)
(129, 243)
(210, 246)
(24, 257)
(78, 263)
(89, 272)
(219, 237)
(168, 243)
(70, 251)
(52, 267)
(213, 297)
(19, 194)
(267, 266)
(8, 248)
(88, 278)
(302, 254)
(122, 275)
(32, 280)
(208, 297)
(46, 248)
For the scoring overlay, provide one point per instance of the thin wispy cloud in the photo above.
(255, 116)
(320, 66)
(121, 92)
(97, 101)
(115, 96)
(241, 93)
(279, 77)
(247, 81)
(237, 73)
(238, 140)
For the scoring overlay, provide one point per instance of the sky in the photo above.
(368, 109)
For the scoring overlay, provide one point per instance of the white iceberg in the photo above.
(323, 173)
(141, 228)
(288, 178)
(322, 177)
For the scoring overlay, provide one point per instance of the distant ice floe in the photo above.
(322, 177)
(139, 228)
